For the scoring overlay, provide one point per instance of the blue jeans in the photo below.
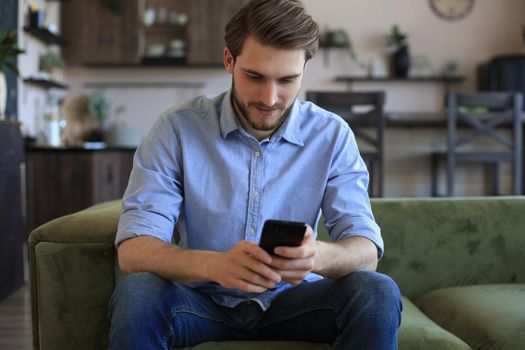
(359, 311)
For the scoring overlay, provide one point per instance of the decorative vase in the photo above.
(3, 95)
(401, 62)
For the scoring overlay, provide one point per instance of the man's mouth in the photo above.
(266, 110)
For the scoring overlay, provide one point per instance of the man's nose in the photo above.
(268, 94)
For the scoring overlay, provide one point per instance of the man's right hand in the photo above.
(244, 267)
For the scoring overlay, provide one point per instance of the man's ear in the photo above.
(228, 60)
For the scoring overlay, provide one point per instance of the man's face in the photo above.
(265, 83)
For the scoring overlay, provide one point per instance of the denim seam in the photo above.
(303, 312)
(193, 312)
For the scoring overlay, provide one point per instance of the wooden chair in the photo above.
(361, 110)
(483, 114)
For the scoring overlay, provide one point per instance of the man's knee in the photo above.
(137, 296)
(373, 292)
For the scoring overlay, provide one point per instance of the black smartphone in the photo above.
(278, 233)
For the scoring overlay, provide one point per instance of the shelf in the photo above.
(44, 35)
(164, 28)
(425, 79)
(164, 61)
(45, 84)
(144, 85)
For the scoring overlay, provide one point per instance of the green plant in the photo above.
(51, 60)
(99, 106)
(9, 50)
(340, 38)
(396, 39)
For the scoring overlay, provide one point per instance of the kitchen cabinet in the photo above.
(12, 232)
(208, 19)
(147, 32)
(95, 34)
(62, 181)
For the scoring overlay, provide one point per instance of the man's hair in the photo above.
(282, 24)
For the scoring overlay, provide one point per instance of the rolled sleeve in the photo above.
(346, 205)
(152, 201)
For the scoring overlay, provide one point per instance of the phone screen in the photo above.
(278, 233)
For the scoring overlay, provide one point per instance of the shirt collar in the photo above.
(289, 131)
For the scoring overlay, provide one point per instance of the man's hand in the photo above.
(246, 267)
(294, 263)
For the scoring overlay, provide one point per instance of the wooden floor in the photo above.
(15, 321)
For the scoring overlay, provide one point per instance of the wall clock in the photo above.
(451, 10)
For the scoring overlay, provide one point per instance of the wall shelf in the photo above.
(44, 35)
(446, 80)
(45, 83)
(414, 79)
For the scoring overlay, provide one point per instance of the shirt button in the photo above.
(255, 193)
(252, 231)
(257, 154)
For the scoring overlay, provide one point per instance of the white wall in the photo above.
(493, 28)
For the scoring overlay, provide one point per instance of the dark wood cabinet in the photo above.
(208, 19)
(96, 34)
(147, 32)
(62, 181)
(12, 231)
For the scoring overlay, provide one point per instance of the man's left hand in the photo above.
(294, 263)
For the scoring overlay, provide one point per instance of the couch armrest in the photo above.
(73, 274)
(96, 224)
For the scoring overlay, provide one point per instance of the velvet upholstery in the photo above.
(486, 316)
(431, 245)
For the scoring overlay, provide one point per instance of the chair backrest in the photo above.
(359, 109)
(486, 114)
(363, 111)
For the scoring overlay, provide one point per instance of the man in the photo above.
(217, 169)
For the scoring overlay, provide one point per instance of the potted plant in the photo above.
(52, 64)
(8, 52)
(340, 38)
(397, 41)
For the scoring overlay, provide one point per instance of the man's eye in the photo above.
(254, 77)
(286, 81)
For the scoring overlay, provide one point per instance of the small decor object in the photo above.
(452, 10)
(99, 107)
(420, 65)
(35, 16)
(449, 68)
(340, 38)
(52, 64)
(52, 125)
(396, 41)
(81, 124)
(8, 52)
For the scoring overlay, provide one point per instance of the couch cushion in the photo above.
(417, 332)
(485, 316)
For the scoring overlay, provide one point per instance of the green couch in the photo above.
(460, 264)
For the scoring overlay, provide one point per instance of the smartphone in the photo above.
(278, 233)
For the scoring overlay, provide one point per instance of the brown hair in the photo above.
(282, 24)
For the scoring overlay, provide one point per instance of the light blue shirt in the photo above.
(200, 170)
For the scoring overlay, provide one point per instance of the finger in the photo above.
(292, 264)
(301, 252)
(257, 252)
(254, 265)
(308, 235)
(248, 287)
(255, 279)
(293, 277)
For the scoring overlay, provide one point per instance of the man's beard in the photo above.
(245, 114)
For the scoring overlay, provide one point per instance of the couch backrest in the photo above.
(436, 243)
